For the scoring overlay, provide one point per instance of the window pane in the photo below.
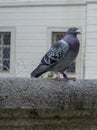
(6, 38)
(6, 65)
(6, 53)
(57, 36)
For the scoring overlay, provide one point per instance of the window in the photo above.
(7, 51)
(58, 36)
(5, 40)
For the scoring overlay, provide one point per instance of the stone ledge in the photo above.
(48, 94)
(46, 104)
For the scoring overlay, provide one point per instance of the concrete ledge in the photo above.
(48, 94)
(45, 104)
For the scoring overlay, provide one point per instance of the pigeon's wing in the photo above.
(51, 58)
(56, 53)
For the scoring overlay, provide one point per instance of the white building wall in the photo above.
(32, 24)
(91, 42)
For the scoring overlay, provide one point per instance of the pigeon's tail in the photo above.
(39, 71)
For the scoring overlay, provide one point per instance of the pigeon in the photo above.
(61, 54)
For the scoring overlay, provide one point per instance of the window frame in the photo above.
(78, 70)
(11, 71)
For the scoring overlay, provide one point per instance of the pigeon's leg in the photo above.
(61, 76)
(68, 78)
(65, 77)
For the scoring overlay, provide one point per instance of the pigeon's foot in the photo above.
(65, 79)
(59, 79)
(68, 78)
(71, 78)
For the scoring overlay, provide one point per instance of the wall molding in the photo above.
(42, 3)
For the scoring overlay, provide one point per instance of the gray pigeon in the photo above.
(61, 54)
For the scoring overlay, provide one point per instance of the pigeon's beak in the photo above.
(78, 31)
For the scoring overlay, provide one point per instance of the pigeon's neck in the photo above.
(72, 41)
(71, 34)
(70, 38)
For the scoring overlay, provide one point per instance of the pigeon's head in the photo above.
(73, 30)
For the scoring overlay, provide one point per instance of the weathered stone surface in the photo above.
(47, 104)
(47, 93)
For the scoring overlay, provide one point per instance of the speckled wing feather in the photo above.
(51, 58)
(56, 52)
